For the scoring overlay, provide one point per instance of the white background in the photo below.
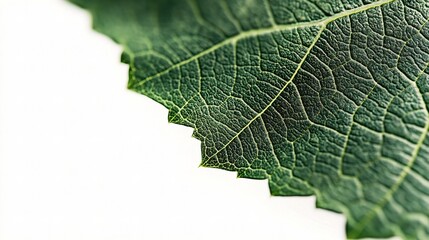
(81, 157)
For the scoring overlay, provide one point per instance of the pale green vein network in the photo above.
(317, 114)
(277, 28)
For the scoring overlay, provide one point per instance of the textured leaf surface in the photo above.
(321, 97)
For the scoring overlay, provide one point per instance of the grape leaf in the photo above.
(321, 97)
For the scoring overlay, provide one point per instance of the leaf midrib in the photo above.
(322, 24)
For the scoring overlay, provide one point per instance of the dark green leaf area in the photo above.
(325, 98)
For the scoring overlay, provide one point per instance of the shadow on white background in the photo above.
(81, 157)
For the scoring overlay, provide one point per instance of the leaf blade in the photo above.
(319, 103)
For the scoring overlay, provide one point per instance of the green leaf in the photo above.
(321, 97)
